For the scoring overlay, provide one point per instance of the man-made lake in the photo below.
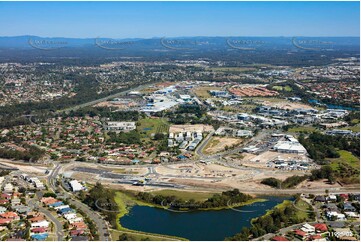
(332, 106)
(198, 225)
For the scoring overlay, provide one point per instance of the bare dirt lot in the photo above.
(31, 168)
(203, 92)
(218, 144)
(286, 105)
(190, 128)
(116, 105)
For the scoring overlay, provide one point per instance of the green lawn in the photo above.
(354, 128)
(300, 129)
(148, 126)
(282, 88)
(302, 211)
(137, 236)
(203, 92)
(198, 196)
(346, 157)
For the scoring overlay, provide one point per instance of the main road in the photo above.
(138, 88)
(94, 216)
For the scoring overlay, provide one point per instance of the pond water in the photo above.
(197, 225)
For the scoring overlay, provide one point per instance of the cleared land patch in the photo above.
(203, 92)
(218, 144)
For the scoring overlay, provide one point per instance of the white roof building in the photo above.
(290, 147)
(75, 220)
(8, 187)
(70, 216)
(76, 186)
(308, 228)
(41, 224)
(61, 207)
(124, 126)
(339, 216)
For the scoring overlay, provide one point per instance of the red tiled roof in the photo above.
(321, 227)
(36, 219)
(38, 230)
(279, 238)
(76, 232)
(316, 236)
(300, 233)
(5, 221)
(9, 215)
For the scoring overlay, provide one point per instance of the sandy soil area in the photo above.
(116, 105)
(286, 105)
(31, 168)
(218, 144)
(190, 128)
(199, 171)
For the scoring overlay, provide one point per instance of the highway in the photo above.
(138, 88)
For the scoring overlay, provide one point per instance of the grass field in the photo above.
(203, 92)
(302, 211)
(345, 157)
(198, 196)
(148, 126)
(354, 128)
(139, 236)
(282, 88)
(302, 208)
(269, 99)
(304, 129)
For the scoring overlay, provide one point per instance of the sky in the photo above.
(176, 19)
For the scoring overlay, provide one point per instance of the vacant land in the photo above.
(284, 104)
(232, 69)
(346, 157)
(190, 128)
(149, 126)
(282, 88)
(203, 92)
(218, 144)
(354, 128)
(252, 91)
(302, 129)
(197, 196)
(303, 209)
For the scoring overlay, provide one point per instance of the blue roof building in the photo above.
(40, 236)
(57, 204)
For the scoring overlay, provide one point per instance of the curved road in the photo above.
(96, 217)
(58, 226)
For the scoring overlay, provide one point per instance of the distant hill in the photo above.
(299, 51)
(182, 43)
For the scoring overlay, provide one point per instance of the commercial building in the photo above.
(290, 145)
(120, 126)
(76, 186)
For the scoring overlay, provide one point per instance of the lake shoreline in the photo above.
(127, 202)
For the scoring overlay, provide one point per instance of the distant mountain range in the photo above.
(183, 43)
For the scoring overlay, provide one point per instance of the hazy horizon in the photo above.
(119, 20)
